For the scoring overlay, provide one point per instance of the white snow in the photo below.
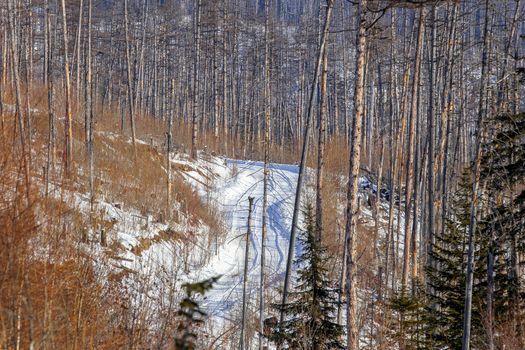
(236, 181)
(225, 186)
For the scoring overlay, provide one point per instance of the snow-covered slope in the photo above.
(225, 185)
(234, 182)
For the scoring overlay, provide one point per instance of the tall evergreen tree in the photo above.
(311, 308)
(503, 176)
(409, 312)
(496, 242)
(446, 276)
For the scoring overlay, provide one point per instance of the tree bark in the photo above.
(353, 177)
(266, 170)
(475, 183)
(89, 109)
(196, 75)
(18, 93)
(68, 129)
(129, 76)
(245, 275)
(323, 108)
(431, 158)
(304, 154)
(409, 184)
(78, 45)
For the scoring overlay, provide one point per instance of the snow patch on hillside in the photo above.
(234, 181)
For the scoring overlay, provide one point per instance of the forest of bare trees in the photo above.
(422, 97)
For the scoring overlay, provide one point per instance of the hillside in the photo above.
(380, 145)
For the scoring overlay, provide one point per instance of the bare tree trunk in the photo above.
(18, 93)
(245, 275)
(475, 182)
(139, 98)
(376, 212)
(28, 82)
(89, 109)
(490, 298)
(393, 162)
(398, 168)
(3, 73)
(50, 108)
(377, 327)
(380, 139)
(168, 152)
(447, 105)
(323, 108)
(508, 44)
(68, 130)
(353, 177)
(78, 46)
(266, 170)
(304, 154)
(431, 158)
(130, 82)
(410, 154)
(196, 68)
(342, 280)
(225, 110)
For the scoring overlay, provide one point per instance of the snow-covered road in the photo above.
(236, 182)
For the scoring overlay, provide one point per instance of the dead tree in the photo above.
(482, 111)
(68, 129)
(266, 170)
(304, 154)
(245, 275)
(196, 75)
(18, 94)
(89, 108)
(50, 162)
(321, 136)
(353, 177)
(410, 156)
(129, 75)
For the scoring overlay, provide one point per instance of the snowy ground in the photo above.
(236, 181)
(225, 185)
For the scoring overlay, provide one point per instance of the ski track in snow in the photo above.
(231, 194)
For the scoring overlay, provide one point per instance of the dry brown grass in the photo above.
(50, 295)
(133, 178)
(59, 288)
(137, 179)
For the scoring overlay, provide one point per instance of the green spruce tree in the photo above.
(446, 276)
(310, 312)
(191, 315)
(410, 315)
(503, 175)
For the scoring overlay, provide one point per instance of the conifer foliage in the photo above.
(311, 309)
(409, 311)
(497, 301)
(446, 276)
(192, 316)
(503, 173)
